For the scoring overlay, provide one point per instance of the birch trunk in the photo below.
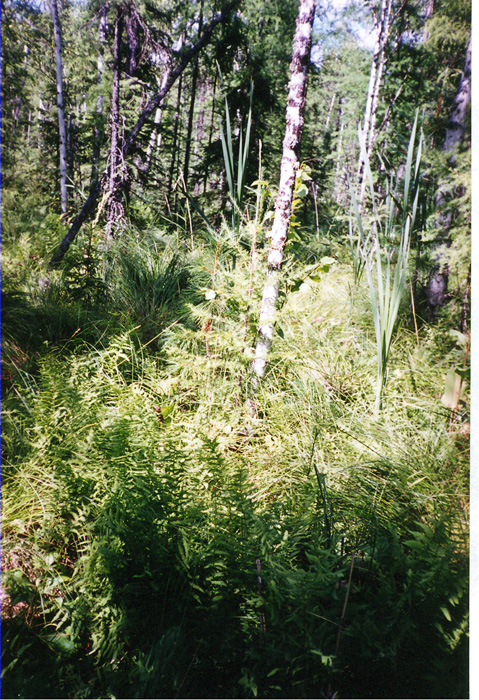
(289, 166)
(115, 208)
(383, 29)
(175, 147)
(189, 129)
(339, 190)
(154, 144)
(60, 107)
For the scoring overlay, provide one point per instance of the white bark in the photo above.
(115, 206)
(383, 29)
(289, 166)
(156, 134)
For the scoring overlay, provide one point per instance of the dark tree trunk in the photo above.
(191, 111)
(437, 287)
(182, 61)
(133, 42)
(60, 107)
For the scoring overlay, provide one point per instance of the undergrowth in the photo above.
(160, 542)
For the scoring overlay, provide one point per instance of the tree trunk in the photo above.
(289, 166)
(98, 128)
(182, 61)
(194, 81)
(60, 107)
(211, 130)
(115, 210)
(200, 128)
(383, 28)
(174, 156)
(133, 42)
(154, 143)
(437, 287)
(339, 188)
(456, 124)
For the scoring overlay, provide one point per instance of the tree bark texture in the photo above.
(383, 29)
(115, 210)
(456, 124)
(60, 107)
(175, 146)
(183, 60)
(194, 81)
(98, 130)
(289, 166)
(437, 286)
(154, 144)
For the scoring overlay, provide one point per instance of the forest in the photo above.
(236, 278)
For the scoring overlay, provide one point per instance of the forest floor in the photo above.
(159, 541)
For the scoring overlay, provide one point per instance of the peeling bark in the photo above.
(115, 209)
(289, 165)
(383, 29)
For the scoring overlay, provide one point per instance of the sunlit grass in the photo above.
(146, 493)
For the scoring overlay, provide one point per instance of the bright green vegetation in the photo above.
(171, 528)
(139, 494)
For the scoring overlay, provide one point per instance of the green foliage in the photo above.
(158, 541)
(387, 288)
(141, 503)
(236, 176)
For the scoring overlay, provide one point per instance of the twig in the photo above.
(261, 614)
(414, 314)
(341, 621)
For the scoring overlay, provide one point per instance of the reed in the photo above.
(384, 250)
(236, 176)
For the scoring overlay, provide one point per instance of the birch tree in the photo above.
(382, 27)
(60, 107)
(289, 166)
(115, 208)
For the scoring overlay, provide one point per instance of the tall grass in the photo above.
(384, 251)
(236, 175)
(139, 511)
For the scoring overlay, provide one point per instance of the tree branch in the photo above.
(183, 60)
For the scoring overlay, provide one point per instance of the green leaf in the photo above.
(446, 613)
(454, 389)
(302, 191)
